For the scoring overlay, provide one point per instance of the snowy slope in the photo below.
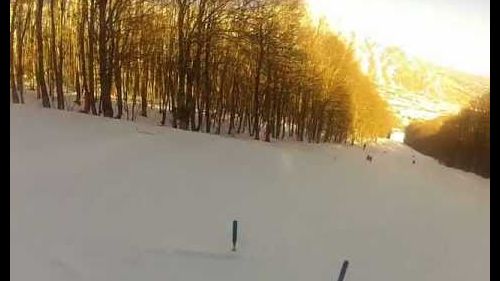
(100, 199)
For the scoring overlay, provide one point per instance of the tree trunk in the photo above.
(144, 90)
(78, 88)
(232, 105)
(40, 69)
(118, 85)
(136, 90)
(180, 112)
(207, 82)
(256, 125)
(89, 99)
(59, 72)
(54, 57)
(13, 88)
(105, 69)
(81, 52)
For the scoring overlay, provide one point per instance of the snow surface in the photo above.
(103, 199)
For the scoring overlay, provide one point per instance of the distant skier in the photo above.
(364, 146)
(369, 158)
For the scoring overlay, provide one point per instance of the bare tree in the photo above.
(40, 69)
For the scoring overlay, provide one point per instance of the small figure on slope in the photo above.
(369, 158)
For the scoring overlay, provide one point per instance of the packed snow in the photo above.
(104, 199)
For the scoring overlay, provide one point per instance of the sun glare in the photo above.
(448, 33)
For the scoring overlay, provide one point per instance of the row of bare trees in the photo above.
(235, 66)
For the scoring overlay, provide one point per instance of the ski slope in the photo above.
(102, 199)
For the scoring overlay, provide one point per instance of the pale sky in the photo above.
(453, 33)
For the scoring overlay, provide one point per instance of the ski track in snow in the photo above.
(101, 199)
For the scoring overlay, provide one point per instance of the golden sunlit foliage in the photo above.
(461, 141)
(254, 66)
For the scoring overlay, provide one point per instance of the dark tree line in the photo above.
(257, 67)
(461, 141)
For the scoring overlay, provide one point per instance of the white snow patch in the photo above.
(102, 199)
(398, 136)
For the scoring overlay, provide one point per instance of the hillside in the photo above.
(103, 199)
(460, 141)
(415, 88)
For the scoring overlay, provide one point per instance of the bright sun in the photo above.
(447, 32)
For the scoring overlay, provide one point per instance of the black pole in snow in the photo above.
(343, 270)
(235, 234)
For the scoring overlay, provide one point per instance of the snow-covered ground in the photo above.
(103, 199)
